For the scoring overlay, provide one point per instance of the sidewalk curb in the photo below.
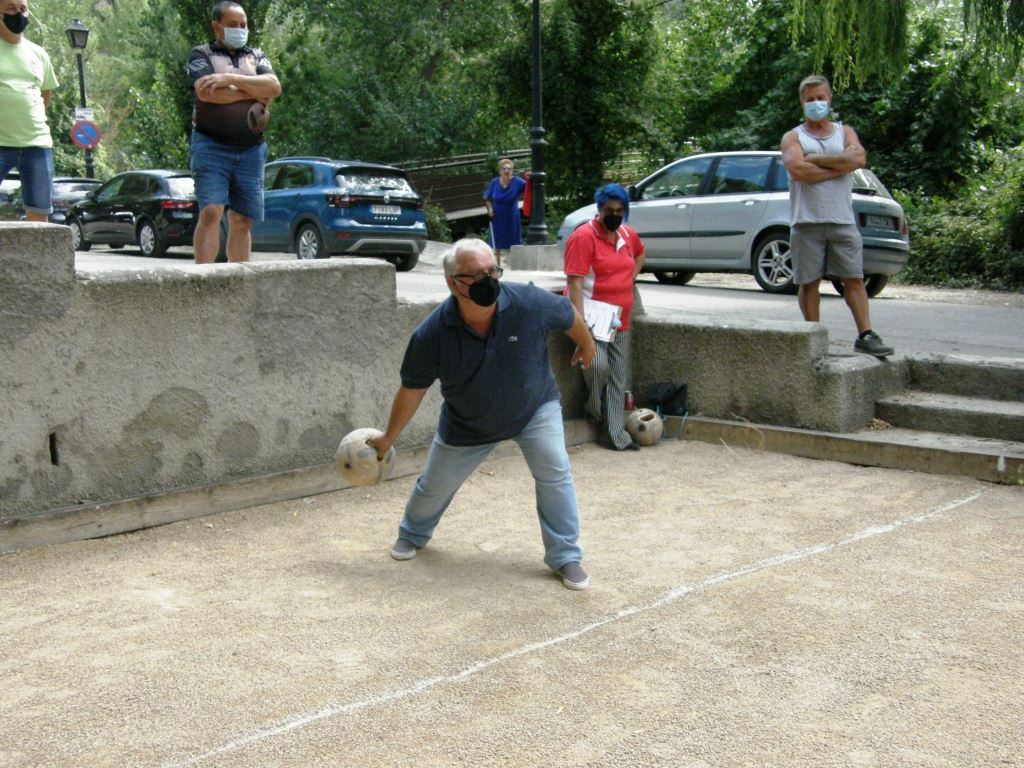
(932, 453)
(91, 521)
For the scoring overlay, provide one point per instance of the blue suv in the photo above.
(318, 207)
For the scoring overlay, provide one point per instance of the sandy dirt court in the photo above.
(747, 609)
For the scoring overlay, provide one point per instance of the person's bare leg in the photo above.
(810, 301)
(40, 217)
(239, 237)
(856, 296)
(206, 239)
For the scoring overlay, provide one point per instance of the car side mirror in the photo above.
(633, 192)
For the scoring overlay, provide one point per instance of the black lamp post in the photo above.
(537, 234)
(78, 36)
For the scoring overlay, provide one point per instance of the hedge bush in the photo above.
(975, 240)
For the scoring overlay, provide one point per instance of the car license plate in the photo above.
(882, 222)
(385, 210)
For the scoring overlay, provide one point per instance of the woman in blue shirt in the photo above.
(502, 201)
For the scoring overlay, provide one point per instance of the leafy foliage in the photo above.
(976, 239)
(930, 85)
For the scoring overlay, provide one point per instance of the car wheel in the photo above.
(872, 283)
(773, 268)
(78, 241)
(674, 278)
(149, 240)
(405, 263)
(308, 243)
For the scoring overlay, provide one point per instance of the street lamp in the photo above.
(537, 234)
(78, 36)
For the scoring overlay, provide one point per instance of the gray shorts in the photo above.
(819, 250)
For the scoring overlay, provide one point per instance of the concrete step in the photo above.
(954, 414)
(995, 461)
(996, 379)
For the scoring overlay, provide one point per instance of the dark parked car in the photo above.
(153, 209)
(729, 212)
(10, 197)
(68, 190)
(318, 207)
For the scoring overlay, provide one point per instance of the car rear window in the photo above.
(182, 186)
(377, 181)
(865, 182)
(67, 187)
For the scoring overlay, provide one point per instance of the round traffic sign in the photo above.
(85, 134)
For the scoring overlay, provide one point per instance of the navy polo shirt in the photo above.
(491, 387)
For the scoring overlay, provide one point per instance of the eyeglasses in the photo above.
(476, 278)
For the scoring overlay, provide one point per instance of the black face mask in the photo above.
(485, 292)
(611, 221)
(16, 22)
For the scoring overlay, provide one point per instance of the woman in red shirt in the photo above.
(602, 259)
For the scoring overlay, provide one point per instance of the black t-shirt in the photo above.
(237, 124)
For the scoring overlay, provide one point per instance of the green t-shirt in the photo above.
(25, 72)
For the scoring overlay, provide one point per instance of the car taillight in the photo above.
(176, 205)
(336, 200)
(905, 229)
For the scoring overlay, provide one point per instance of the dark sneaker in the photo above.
(573, 576)
(403, 550)
(872, 344)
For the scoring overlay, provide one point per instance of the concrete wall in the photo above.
(119, 384)
(768, 372)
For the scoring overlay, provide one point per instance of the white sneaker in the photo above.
(403, 550)
(573, 576)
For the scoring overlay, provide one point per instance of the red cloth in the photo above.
(608, 266)
(528, 194)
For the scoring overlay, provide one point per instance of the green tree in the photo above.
(597, 57)
(391, 80)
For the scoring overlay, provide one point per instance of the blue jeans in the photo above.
(35, 166)
(543, 444)
(226, 175)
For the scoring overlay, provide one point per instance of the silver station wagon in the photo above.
(729, 212)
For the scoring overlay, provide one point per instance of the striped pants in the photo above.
(606, 382)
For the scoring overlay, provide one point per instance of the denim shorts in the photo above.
(35, 164)
(231, 176)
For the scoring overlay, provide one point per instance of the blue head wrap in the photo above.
(612, 192)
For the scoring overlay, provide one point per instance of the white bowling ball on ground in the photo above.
(357, 459)
(645, 426)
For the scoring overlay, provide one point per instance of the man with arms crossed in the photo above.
(824, 240)
(233, 87)
(487, 343)
(26, 84)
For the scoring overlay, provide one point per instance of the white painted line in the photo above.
(333, 710)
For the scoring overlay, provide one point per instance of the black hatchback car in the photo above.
(153, 209)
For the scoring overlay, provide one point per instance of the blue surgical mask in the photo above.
(816, 110)
(236, 37)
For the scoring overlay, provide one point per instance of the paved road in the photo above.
(913, 319)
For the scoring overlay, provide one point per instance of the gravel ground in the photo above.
(748, 609)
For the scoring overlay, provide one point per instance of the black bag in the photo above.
(667, 399)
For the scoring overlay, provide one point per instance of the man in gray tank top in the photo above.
(824, 240)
